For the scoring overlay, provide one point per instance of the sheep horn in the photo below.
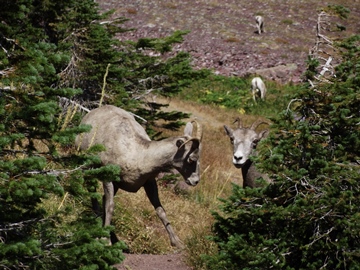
(258, 123)
(198, 136)
(199, 131)
(189, 140)
(238, 120)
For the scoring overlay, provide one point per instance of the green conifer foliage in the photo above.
(309, 217)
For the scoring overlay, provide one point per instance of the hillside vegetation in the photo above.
(59, 59)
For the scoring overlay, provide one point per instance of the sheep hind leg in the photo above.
(152, 193)
(108, 207)
(253, 92)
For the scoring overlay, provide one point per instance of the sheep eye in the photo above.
(179, 143)
(191, 159)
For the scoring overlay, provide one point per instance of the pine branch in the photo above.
(65, 102)
(324, 46)
(18, 225)
(319, 236)
(51, 172)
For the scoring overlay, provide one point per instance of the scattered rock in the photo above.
(223, 35)
(281, 73)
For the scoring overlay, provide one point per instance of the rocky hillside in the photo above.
(223, 34)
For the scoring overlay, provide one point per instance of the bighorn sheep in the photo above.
(259, 24)
(258, 88)
(140, 159)
(244, 142)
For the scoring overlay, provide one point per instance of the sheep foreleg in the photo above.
(152, 193)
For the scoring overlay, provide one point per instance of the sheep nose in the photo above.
(238, 158)
(192, 182)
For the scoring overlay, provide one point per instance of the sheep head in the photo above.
(244, 141)
(187, 158)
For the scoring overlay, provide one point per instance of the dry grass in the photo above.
(131, 11)
(137, 224)
(232, 39)
(170, 5)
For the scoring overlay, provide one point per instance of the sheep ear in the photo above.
(229, 131)
(188, 129)
(263, 134)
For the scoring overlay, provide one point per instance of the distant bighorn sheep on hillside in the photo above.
(259, 24)
(140, 158)
(244, 142)
(258, 88)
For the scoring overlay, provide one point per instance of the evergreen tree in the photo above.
(35, 166)
(309, 217)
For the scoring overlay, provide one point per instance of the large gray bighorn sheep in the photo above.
(259, 23)
(258, 88)
(140, 159)
(244, 141)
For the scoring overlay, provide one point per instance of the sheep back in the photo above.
(118, 131)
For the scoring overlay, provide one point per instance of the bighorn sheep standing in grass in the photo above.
(244, 141)
(258, 88)
(139, 158)
(259, 24)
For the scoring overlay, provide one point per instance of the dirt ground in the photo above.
(154, 262)
(223, 38)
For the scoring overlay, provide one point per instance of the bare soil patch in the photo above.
(154, 262)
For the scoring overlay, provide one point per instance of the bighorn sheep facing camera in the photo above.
(258, 88)
(244, 141)
(259, 24)
(140, 158)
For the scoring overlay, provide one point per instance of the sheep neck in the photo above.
(245, 170)
(159, 155)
